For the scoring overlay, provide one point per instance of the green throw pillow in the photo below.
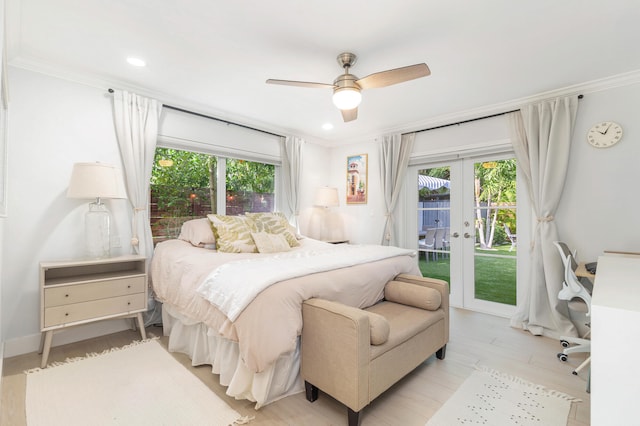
(233, 233)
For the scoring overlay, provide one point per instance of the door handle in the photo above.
(455, 235)
(467, 235)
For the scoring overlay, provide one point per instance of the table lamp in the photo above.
(99, 181)
(325, 197)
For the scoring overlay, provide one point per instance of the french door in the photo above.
(467, 232)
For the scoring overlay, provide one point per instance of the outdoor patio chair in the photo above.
(512, 237)
(446, 239)
(427, 244)
(439, 240)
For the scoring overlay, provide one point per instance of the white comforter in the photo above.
(232, 286)
(268, 326)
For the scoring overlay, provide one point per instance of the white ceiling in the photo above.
(214, 56)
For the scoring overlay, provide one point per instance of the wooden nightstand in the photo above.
(82, 291)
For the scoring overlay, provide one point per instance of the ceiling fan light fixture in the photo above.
(345, 98)
(136, 62)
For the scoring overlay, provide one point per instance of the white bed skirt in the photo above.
(205, 346)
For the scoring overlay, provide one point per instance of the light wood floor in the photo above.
(476, 340)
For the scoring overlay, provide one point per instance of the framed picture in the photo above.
(357, 179)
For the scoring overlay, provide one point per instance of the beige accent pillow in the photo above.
(198, 232)
(412, 295)
(378, 328)
(270, 243)
(274, 223)
(233, 233)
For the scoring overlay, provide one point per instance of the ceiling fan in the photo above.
(346, 87)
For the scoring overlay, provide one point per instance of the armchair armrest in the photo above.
(418, 296)
(337, 335)
(440, 285)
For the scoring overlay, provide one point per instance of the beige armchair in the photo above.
(356, 354)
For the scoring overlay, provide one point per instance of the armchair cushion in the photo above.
(412, 295)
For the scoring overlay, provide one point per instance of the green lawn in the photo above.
(495, 276)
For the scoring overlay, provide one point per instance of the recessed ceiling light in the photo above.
(136, 62)
(327, 126)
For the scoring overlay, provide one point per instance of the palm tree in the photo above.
(496, 188)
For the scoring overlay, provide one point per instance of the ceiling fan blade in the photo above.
(349, 114)
(394, 76)
(300, 83)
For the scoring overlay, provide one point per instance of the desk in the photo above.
(615, 341)
(581, 271)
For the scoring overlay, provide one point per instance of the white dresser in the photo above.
(615, 341)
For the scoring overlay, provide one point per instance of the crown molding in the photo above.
(105, 83)
(607, 83)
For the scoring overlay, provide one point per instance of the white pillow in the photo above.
(198, 232)
(270, 243)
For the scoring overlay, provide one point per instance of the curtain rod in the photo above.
(214, 118)
(471, 119)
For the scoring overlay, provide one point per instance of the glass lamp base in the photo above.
(97, 222)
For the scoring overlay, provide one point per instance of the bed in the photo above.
(253, 342)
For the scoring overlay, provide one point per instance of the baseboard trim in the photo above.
(31, 343)
(1, 366)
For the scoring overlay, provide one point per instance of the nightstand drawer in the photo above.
(77, 293)
(59, 315)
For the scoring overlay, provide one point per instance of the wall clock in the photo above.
(604, 134)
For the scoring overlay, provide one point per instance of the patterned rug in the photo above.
(140, 384)
(489, 397)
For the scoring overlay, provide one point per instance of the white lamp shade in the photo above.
(96, 180)
(326, 197)
(347, 98)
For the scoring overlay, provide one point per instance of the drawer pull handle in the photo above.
(128, 286)
(66, 314)
(66, 295)
(128, 303)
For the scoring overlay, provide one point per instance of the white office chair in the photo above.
(565, 252)
(579, 300)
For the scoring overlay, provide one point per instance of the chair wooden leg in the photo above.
(311, 391)
(354, 417)
(440, 353)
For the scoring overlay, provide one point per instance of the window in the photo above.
(185, 185)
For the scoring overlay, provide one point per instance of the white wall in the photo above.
(360, 223)
(601, 200)
(52, 124)
(316, 165)
(2, 165)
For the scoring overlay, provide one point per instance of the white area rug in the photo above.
(489, 397)
(140, 384)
